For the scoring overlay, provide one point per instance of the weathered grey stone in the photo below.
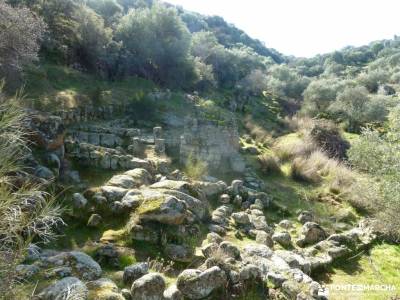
(180, 253)
(126, 294)
(94, 220)
(295, 260)
(211, 189)
(68, 287)
(43, 172)
(133, 272)
(282, 238)
(213, 237)
(140, 176)
(148, 287)
(224, 199)
(237, 201)
(113, 193)
(249, 272)
(305, 216)
(85, 265)
(104, 289)
(258, 221)
(195, 284)
(241, 218)
(172, 293)
(181, 186)
(209, 250)
(79, 201)
(264, 238)
(217, 229)
(286, 224)
(237, 186)
(311, 233)
(132, 199)
(143, 233)
(123, 181)
(166, 210)
(25, 272)
(159, 146)
(229, 249)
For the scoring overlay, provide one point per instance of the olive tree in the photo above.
(157, 43)
(20, 34)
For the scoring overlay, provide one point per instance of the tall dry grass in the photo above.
(269, 163)
(257, 132)
(317, 166)
(26, 213)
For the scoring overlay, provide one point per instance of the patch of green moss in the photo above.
(150, 205)
(118, 237)
(126, 260)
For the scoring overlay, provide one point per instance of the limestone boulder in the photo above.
(211, 189)
(140, 176)
(134, 272)
(94, 220)
(164, 209)
(179, 253)
(282, 238)
(148, 287)
(82, 265)
(305, 216)
(311, 233)
(104, 289)
(123, 181)
(172, 293)
(113, 193)
(66, 288)
(195, 284)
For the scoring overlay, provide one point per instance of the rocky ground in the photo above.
(148, 231)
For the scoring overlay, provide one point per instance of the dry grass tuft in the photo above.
(258, 133)
(292, 146)
(269, 163)
(318, 166)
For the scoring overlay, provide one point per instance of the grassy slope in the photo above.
(379, 267)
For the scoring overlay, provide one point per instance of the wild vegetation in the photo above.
(317, 136)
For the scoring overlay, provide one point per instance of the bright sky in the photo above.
(306, 27)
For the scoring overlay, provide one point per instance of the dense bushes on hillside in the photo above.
(150, 39)
(355, 86)
(379, 155)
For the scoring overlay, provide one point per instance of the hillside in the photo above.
(156, 153)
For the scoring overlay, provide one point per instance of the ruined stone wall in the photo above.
(212, 142)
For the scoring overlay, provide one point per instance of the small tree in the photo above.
(319, 95)
(358, 108)
(157, 44)
(20, 34)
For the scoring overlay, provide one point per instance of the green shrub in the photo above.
(379, 193)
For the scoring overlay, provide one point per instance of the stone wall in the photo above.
(112, 159)
(212, 142)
